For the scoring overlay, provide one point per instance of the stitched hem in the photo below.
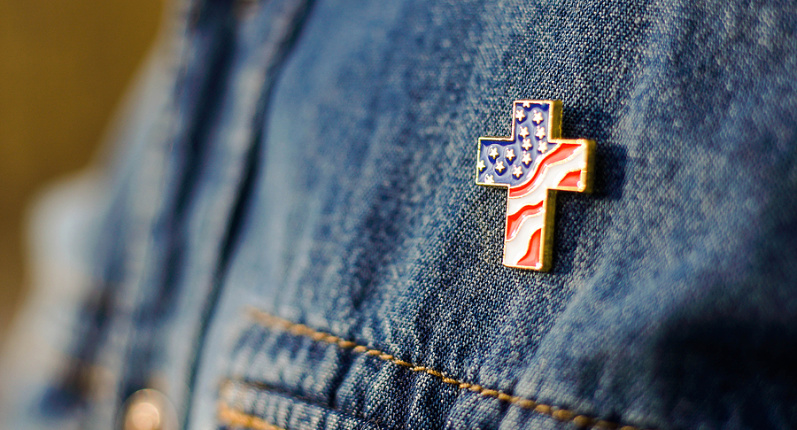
(228, 386)
(558, 413)
(230, 417)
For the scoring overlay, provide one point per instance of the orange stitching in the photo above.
(560, 414)
(227, 395)
(232, 417)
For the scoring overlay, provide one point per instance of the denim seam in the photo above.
(558, 413)
(235, 418)
(261, 387)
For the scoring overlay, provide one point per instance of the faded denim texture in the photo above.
(315, 161)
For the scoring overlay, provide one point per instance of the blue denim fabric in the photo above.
(308, 246)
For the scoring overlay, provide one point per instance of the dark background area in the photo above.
(63, 68)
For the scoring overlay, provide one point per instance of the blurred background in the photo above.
(63, 67)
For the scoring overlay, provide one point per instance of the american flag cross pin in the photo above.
(534, 162)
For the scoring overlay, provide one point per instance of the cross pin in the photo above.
(565, 165)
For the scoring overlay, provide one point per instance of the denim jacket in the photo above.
(293, 238)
